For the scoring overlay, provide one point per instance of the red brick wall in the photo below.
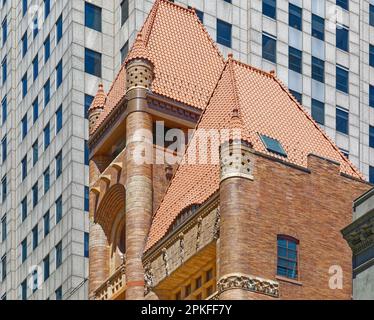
(312, 207)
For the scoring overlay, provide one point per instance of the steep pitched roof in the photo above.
(261, 105)
(187, 62)
(99, 100)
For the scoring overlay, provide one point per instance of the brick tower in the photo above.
(139, 124)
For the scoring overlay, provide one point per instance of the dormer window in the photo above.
(273, 145)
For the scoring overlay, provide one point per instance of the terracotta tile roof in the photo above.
(259, 103)
(187, 61)
(139, 50)
(99, 100)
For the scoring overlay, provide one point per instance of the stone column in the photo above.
(236, 180)
(139, 153)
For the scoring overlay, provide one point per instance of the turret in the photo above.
(96, 108)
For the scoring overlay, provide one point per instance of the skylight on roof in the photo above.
(273, 145)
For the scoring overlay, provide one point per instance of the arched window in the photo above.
(287, 265)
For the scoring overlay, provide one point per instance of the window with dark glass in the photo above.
(371, 54)
(371, 14)
(318, 69)
(92, 15)
(46, 267)
(297, 95)
(24, 209)
(92, 62)
(58, 254)
(371, 174)
(47, 180)
(273, 145)
(269, 48)
(342, 121)
(35, 237)
(295, 17)
(86, 199)
(288, 264)
(124, 11)
(35, 27)
(24, 85)
(86, 245)
(24, 290)
(58, 205)
(46, 222)
(24, 250)
(86, 153)
(24, 7)
(224, 31)
(343, 4)
(342, 38)
(47, 8)
(58, 165)
(24, 44)
(58, 293)
(24, 126)
(269, 8)
(87, 104)
(35, 67)
(3, 228)
(59, 29)
(318, 27)
(342, 79)
(318, 111)
(59, 74)
(24, 168)
(47, 93)
(35, 195)
(4, 27)
(47, 137)
(371, 96)
(4, 148)
(3, 267)
(295, 60)
(124, 51)
(4, 69)
(47, 49)
(4, 109)
(371, 136)
(35, 152)
(4, 187)
(59, 119)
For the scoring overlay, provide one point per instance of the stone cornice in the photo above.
(360, 234)
(173, 237)
(248, 283)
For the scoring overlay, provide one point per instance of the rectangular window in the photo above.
(318, 69)
(24, 287)
(371, 19)
(342, 79)
(47, 93)
(58, 255)
(24, 44)
(371, 53)
(24, 127)
(58, 165)
(47, 137)
(24, 168)
(35, 110)
(297, 95)
(46, 222)
(47, 49)
(342, 121)
(35, 67)
(46, 176)
(318, 27)
(46, 267)
(58, 119)
(58, 210)
(87, 104)
(86, 199)
(24, 209)
(4, 188)
(92, 62)
(86, 244)
(4, 69)
(224, 31)
(4, 27)
(295, 17)
(24, 250)
(35, 152)
(35, 237)
(371, 174)
(318, 111)
(59, 74)
(86, 153)
(269, 8)
(58, 293)
(35, 195)
(4, 109)
(343, 4)
(371, 136)
(124, 11)
(59, 29)
(4, 147)
(47, 8)
(269, 48)
(124, 51)
(342, 38)
(35, 27)
(3, 267)
(295, 60)
(371, 96)
(287, 265)
(3, 228)
(24, 85)
(92, 15)
(24, 7)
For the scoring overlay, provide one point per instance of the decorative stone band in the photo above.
(249, 283)
(360, 236)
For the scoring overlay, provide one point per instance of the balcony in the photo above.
(114, 287)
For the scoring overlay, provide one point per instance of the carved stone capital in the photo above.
(249, 283)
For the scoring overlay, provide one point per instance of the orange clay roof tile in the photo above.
(264, 106)
(187, 62)
(99, 100)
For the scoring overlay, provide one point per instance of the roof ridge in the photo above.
(152, 17)
(310, 118)
(236, 116)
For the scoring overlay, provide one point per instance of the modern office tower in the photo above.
(50, 74)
